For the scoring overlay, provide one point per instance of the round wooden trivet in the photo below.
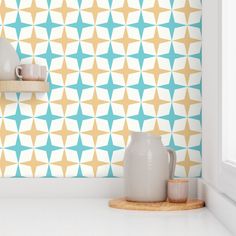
(121, 203)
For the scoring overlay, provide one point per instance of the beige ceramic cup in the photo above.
(43, 73)
(28, 71)
(178, 190)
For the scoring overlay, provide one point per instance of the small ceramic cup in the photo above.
(177, 190)
(28, 71)
(43, 73)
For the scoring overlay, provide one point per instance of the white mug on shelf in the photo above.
(31, 72)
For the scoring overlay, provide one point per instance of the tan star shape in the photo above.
(156, 40)
(64, 71)
(126, 71)
(95, 132)
(156, 101)
(126, 101)
(156, 71)
(95, 40)
(125, 132)
(64, 132)
(95, 163)
(157, 130)
(187, 40)
(126, 10)
(64, 40)
(33, 102)
(4, 132)
(64, 163)
(33, 163)
(187, 71)
(95, 71)
(126, 40)
(187, 132)
(95, 10)
(64, 10)
(187, 10)
(4, 102)
(64, 102)
(34, 40)
(4, 10)
(33, 132)
(34, 10)
(4, 163)
(95, 101)
(187, 101)
(156, 9)
(187, 163)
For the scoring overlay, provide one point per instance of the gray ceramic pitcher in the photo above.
(147, 168)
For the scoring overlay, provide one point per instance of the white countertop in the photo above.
(93, 217)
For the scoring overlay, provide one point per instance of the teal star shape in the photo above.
(172, 86)
(110, 25)
(80, 86)
(172, 25)
(79, 24)
(18, 25)
(49, 55)
(141, 117)
(141, 86)
(49, 116)
(80, 148)
(110, 148)
(141, 25)
(110, 117)
(141, 56)
(79, 55)
(49, 25)
(80, 117)
(49, 148)
(110, 86)
(18, 117)
(172, 117)
(18, 148)
(171, 56)
(110, 56)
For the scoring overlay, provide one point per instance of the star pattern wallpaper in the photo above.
(114, 66)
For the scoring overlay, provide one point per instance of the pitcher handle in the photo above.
(172, 155)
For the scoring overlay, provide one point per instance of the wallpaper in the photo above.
(114, 66)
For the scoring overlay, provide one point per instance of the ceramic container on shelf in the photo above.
(178, 190)
(8, 60)
(147, 168)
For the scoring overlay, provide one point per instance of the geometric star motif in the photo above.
(34, 163)
(126, 10)
(187, 132)
(64, 163)
(4, 163)
(4, 133)
(33, 10)
(156, 10)
(33, 132)
(187, 10)
(187, 40)
(95, 10)
(187, 163)
(95, 163)
(187, 102)
(187, 71)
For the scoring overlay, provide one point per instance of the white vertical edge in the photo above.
(210, 91)
(220, 205)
